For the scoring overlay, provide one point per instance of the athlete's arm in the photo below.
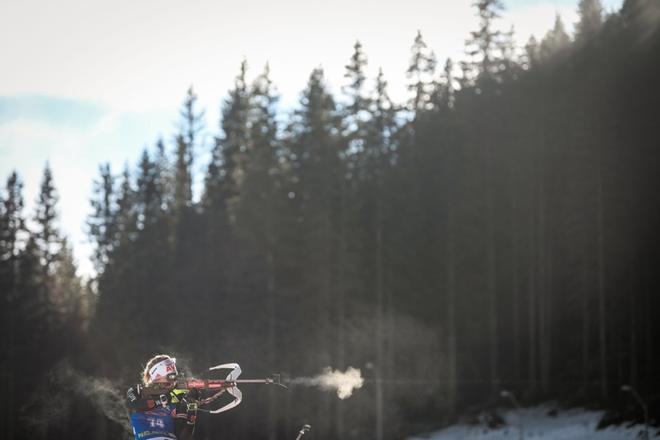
(136, 402)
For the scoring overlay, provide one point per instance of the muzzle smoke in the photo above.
(344, 383)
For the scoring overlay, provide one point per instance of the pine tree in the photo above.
(555, 41)
(12, 225)
(485, 48)
(101, 222)
(357, 103)
(164, 183)
(532, 53)
(378, 153)
(227, 169)
(262, 170)
(149, 199)
(126, 214)
(317, 169)
(444, 94)
(590, 14)
(260, 205)
(190, 126)
(421, 71)
(68, 292)
(484, 45)
(47, 235)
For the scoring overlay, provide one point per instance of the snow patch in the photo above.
(537, 423)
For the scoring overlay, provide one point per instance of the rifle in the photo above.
(229, 384)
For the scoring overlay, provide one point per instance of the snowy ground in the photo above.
(574, 424)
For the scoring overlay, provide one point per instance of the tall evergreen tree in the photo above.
(555, 40)
(590, 14)
(357, 103)
(485, 48)
(484, 44)
(190, 126)
(101, 222)
(227, 169)
(12, 223)
(149, 200)
(12, 226)
(532, 53)
(379, 155)
(420, 71)
(47, 235)
(126, 213)
(318, 170)
(355, 123)
(68, 292)
(258, 209)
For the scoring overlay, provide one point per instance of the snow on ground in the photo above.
(574, 424)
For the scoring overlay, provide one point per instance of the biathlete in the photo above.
(170, 415)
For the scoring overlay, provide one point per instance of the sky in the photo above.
(84, 82)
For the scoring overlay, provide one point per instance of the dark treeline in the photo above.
(498, 231)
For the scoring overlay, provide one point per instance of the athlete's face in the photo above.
(164, 373)
(165, 382)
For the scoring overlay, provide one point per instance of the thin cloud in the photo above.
(60, 112)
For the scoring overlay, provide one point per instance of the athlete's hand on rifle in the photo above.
(194, 395)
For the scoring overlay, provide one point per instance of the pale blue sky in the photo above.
(92, 81)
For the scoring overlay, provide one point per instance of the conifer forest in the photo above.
(500, 230)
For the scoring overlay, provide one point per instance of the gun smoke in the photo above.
(344, 383)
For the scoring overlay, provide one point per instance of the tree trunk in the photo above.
(272, 320)
(586, 318)
(491, 287)
(633, 353)
(380, 358)
(541, 283)
(341, 305)
(531, 303)
(601, 287)
(325, 421)
(515, 293)
(9, 410)
(648, 336)
(549, 308)
(451, 302)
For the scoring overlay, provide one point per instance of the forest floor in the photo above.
(542, 422)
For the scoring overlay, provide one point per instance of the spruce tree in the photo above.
(186, 140)
(258, 210)
(532, 53)
(227, 169)
(355, 112)
(47, 236)
(68, 292)
(555, 40)
(484, 44)
(378, 155)
(101, 223)
(12, 226)
(149, 200)
(356, 104)
(421, 71)
(318, 170)
(590, 14)
(126, 214)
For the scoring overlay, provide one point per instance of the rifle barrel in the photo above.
(209, 384)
